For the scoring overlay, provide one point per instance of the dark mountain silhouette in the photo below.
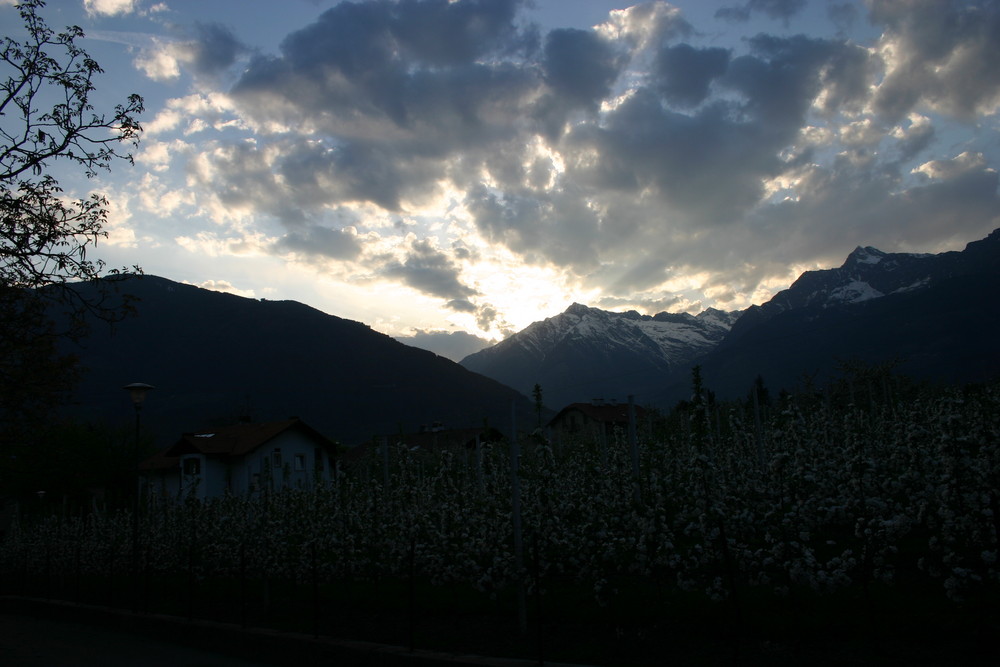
(215, 358)
(937, 317)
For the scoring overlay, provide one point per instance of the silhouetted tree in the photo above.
(48, 120)
(536, 393)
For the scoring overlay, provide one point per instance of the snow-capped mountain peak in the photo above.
(865, 255)
(635, 348)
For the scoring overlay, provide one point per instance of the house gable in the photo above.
(242, 458)
(598, 420)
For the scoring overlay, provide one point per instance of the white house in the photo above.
(243, 458)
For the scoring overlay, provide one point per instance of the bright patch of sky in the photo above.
(457, 170)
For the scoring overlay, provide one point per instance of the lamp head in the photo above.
(137, 391)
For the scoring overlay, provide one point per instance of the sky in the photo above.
(449, 172)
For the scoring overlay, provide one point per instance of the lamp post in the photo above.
(137, 392)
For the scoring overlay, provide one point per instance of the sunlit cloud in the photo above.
(109, 7)
(470, 171)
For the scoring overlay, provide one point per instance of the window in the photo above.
(300, 462)
(276, 458)
(192, 466)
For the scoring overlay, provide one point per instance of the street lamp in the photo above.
(137, 392)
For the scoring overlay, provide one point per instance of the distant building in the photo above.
(598, 421)
(241, 459)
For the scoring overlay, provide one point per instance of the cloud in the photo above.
(843, 14)
(580, 67)
(644, 25)
(225, 286)
(213, 48)
(939, 54)
(639, 162)
(773, 9)
(957, 167)
(671, 304)
(454, 345)
(109, 7)
(323, 243)
(488, 318)
(683, 73)
(206, 49)
(430, 271)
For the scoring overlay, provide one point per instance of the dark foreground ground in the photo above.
(39, 633)
(28, 641)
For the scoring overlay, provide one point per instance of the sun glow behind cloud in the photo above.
(481, 173)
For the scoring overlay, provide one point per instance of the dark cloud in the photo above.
(580, 67)
(706, 165)
(945, 56)
(648, 306)
(430, 271)
(579, 70)
(961, 204)
(781, 77)
(241, 177)
(392, 102)
(915, 140)
(627, 155)
(454, 345)
(843, 14)
(557, 226)
(773, 9)
(683, 73)
(462, 306)
(320, 175)
(487, 318)
(321, 242)
(394, 71)
(214, 49)
(442, 33)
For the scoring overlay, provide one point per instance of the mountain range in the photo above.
(216, 358)
(587, 353)
(936, 317)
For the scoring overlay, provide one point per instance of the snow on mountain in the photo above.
(867, 273)
(667, 336)
(853, 292)
(931, 316)
(866, 255)
(587, 350)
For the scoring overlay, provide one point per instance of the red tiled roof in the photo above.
(160, 461)
(607, 413)
(235, 440)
